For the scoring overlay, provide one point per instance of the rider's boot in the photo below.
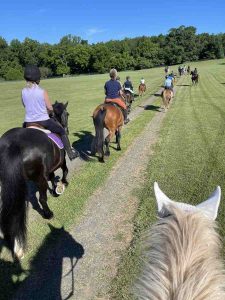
(126, 119)
(71, 152)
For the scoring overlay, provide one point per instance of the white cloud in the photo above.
(94, 30)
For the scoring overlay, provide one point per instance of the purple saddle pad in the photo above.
(56, 140)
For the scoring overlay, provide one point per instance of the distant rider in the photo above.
(113, 92)
(37, 105)
(128, 86)
(168, 84)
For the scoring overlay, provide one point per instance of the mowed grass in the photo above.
(84, 93)
(188, 160)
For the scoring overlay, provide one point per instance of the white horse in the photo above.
(182, 253)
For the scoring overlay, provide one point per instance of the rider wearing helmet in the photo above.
(128, 86)
(168, 84)
(195, 72)
(38, 107)
(113, 92)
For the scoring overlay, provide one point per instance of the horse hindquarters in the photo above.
(13, 198)
(98, 120)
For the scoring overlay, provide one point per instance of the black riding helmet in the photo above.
(32, 73)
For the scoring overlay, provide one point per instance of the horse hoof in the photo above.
(118, 149)
(60, 188)
(65, 182)
(107, 153)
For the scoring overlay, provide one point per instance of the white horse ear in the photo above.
(211, 205)
(162, 200)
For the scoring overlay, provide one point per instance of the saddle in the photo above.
(52, 136)
(119, 102)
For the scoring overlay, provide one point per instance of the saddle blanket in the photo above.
(54, 137)
(117, 101)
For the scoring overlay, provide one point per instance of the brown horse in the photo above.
(166, 97)
(107, 116)
(141, 89)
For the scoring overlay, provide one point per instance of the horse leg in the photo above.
(65, 172)
(118, 137)
(42, 185)
(107, 141)
(51, 177)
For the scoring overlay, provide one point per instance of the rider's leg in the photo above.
(125, 113)
(55, 127)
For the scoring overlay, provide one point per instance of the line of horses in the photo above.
(27, 154)
(181, 260)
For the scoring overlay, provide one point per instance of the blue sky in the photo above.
(97, 20)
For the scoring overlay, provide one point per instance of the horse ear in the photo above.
(56, 102)
(163, 203)
(211, 205)
(162, 200)
(65, 105)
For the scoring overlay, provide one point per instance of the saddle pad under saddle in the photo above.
(55, 138)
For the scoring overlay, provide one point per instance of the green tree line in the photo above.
(73, 55)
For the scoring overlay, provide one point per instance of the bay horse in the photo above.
(27, 154)
(141, 89)
(107, 116)
(182, 252)
(167, 95)
(194, 77)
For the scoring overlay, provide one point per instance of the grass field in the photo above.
(188, 160)
(84, 93)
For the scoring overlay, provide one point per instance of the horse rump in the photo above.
(98, 144)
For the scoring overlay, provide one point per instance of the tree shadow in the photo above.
(58, 251)
(157, 94)
(83, 145)
(152, 107)
(183, 85)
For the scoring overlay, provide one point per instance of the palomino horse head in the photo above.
(182, 252)
(209, 207)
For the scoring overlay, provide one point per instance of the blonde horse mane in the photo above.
(182, 258)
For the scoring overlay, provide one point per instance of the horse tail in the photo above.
(13, 194)
(99, 131)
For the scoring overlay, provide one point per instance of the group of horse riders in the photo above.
(170, 79)
(39, 110)
(115, 92)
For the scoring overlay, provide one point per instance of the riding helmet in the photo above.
(32, 73)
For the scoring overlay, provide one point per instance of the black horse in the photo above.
(194, 77)
(27, 154)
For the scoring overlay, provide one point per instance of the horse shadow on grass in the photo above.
(10, 273)
(83, 144)
(183, 85)
(52, 270)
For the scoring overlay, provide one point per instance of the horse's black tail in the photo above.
(99, 132)
(13, 194)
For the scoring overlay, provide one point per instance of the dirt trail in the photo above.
(104, 231)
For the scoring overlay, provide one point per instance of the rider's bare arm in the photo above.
(47, 101)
